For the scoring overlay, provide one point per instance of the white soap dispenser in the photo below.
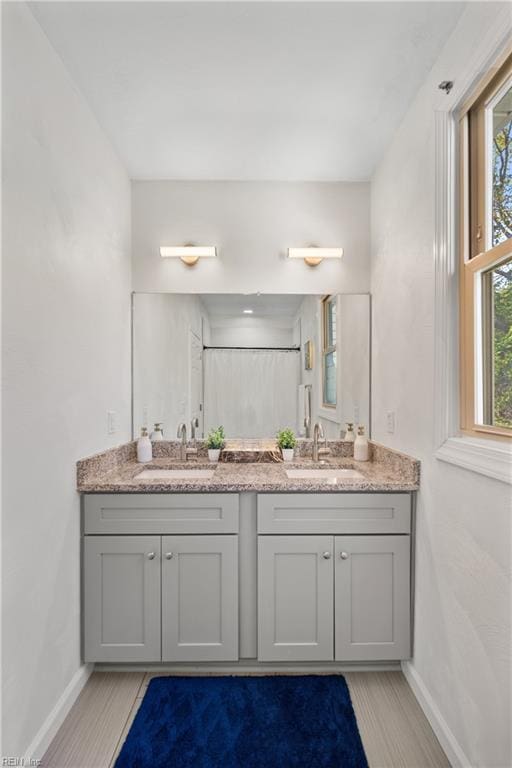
(349, 434)
(144, 447)
(158, 433)
(361, 446)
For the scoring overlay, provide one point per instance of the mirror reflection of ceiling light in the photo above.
(313, 255)
(248, 311)
(189, 254)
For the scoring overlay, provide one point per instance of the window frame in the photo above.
(477, 256)
(328, 349)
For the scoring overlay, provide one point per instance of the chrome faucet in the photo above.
(318, 432)
(307, 415)
(182, 432)
(193, 426)
(184, 451)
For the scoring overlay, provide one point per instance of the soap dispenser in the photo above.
(157, 433)
(144, 447)
(349, 434)
(361, 446)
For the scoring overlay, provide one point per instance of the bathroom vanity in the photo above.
(248, 564)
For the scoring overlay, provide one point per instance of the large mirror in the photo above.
(253, 363)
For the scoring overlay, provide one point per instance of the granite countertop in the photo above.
(115, 472)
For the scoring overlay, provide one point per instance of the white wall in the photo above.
(252, 224)
(463, 591)
(66, 347)
(353, 361)
(162, 324)
(251, 331)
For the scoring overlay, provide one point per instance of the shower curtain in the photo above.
(251, 392)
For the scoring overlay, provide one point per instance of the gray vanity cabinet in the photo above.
(199, 598)
(341, 596)
(295, 598)
(367, 580)
(122, 598)
(323, 577)
(163, 584)
(372, 598)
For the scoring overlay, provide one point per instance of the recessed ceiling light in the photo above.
(248, 311)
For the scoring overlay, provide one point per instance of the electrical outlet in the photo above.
(390, 418)
(111, 422)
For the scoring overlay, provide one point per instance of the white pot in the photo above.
(287, 454)
(213, 454)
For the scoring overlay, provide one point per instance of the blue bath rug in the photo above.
(245, 722)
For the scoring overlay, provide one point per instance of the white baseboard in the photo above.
(449, 743)
(51, 725)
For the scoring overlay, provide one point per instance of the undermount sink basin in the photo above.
(175, 474)
(324, 474)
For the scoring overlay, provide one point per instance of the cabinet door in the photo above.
(199, 598)
(295, 598)
(122, 598)
(372, 598)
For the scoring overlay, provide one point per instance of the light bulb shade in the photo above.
(188, 251)
(315, 253)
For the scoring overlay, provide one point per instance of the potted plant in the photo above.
(215, 442)
(287, 441)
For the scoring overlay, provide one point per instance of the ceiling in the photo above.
(263, 305)
(248, 90)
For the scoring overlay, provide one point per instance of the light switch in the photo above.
(390, 417)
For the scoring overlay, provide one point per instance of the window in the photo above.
(486, 260)
(329, 351)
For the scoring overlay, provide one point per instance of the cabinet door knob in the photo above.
(326, 555)
(344, 555)
(169, 555)
(151, 555)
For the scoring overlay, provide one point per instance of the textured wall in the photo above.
(463, 589)
(161, 345)
(253, 224)
(66, 359)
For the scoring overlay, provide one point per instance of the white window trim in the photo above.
(487, 457)
(329, 414)
(492, 458)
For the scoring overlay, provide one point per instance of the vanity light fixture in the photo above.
(189, 254)
(313, 255)
(248, 311)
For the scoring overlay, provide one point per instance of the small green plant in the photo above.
(286, 438)
(216, 439)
